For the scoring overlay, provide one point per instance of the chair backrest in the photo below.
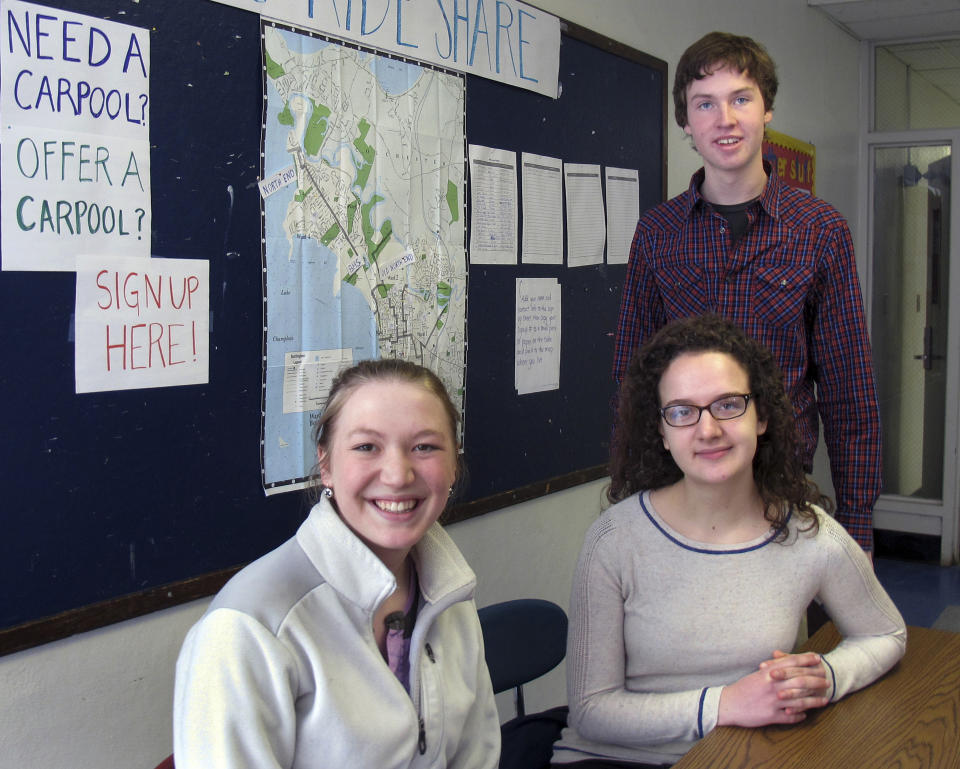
(523, 639)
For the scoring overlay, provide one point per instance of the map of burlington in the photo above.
(364, 239)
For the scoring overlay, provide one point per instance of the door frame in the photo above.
(895, 512)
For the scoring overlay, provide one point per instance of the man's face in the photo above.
(726, 118)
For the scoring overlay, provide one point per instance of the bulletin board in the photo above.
(121, 503)
(611, 112)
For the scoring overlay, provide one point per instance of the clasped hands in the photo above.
(779, 692)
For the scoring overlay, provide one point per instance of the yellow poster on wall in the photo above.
(794, 161)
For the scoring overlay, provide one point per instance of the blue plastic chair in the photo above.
(523, 640)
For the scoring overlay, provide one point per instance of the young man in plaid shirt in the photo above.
(777, 261)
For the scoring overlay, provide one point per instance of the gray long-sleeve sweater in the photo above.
(660, 623)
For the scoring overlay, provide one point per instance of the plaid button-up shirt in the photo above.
(790, 282)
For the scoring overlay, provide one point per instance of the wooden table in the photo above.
(909, 719)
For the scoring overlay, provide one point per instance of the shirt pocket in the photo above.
(780, 292)
(683, 288)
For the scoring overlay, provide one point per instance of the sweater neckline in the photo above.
(707, 548)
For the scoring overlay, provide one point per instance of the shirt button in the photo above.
(722, 229)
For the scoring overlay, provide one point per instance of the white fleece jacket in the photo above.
(283, 669)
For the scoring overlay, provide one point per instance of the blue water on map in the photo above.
(395, 77)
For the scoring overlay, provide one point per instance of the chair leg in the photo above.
(520, 709)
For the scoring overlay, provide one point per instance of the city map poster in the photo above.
(363, 218)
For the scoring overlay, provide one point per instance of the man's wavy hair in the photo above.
(716, 51)
(638, 459)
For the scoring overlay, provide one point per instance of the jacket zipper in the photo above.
(422, 738)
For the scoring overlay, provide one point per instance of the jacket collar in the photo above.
(353, 570)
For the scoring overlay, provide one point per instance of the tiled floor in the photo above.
(908, 567)
(921, 590)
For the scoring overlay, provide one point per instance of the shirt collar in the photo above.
(769, 198)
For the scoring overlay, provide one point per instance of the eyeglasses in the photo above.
(687, 415)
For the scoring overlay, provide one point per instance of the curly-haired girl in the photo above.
(690, 589)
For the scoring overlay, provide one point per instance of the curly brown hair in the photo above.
(716, 51)
(638, 459)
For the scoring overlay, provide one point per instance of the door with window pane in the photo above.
(910, 326)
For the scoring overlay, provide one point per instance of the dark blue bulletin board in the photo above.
(120, 503)
(611, 111)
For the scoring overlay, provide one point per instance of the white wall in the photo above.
(529, 551)
(102, 699)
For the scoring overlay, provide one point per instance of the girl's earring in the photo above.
(328, 492)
